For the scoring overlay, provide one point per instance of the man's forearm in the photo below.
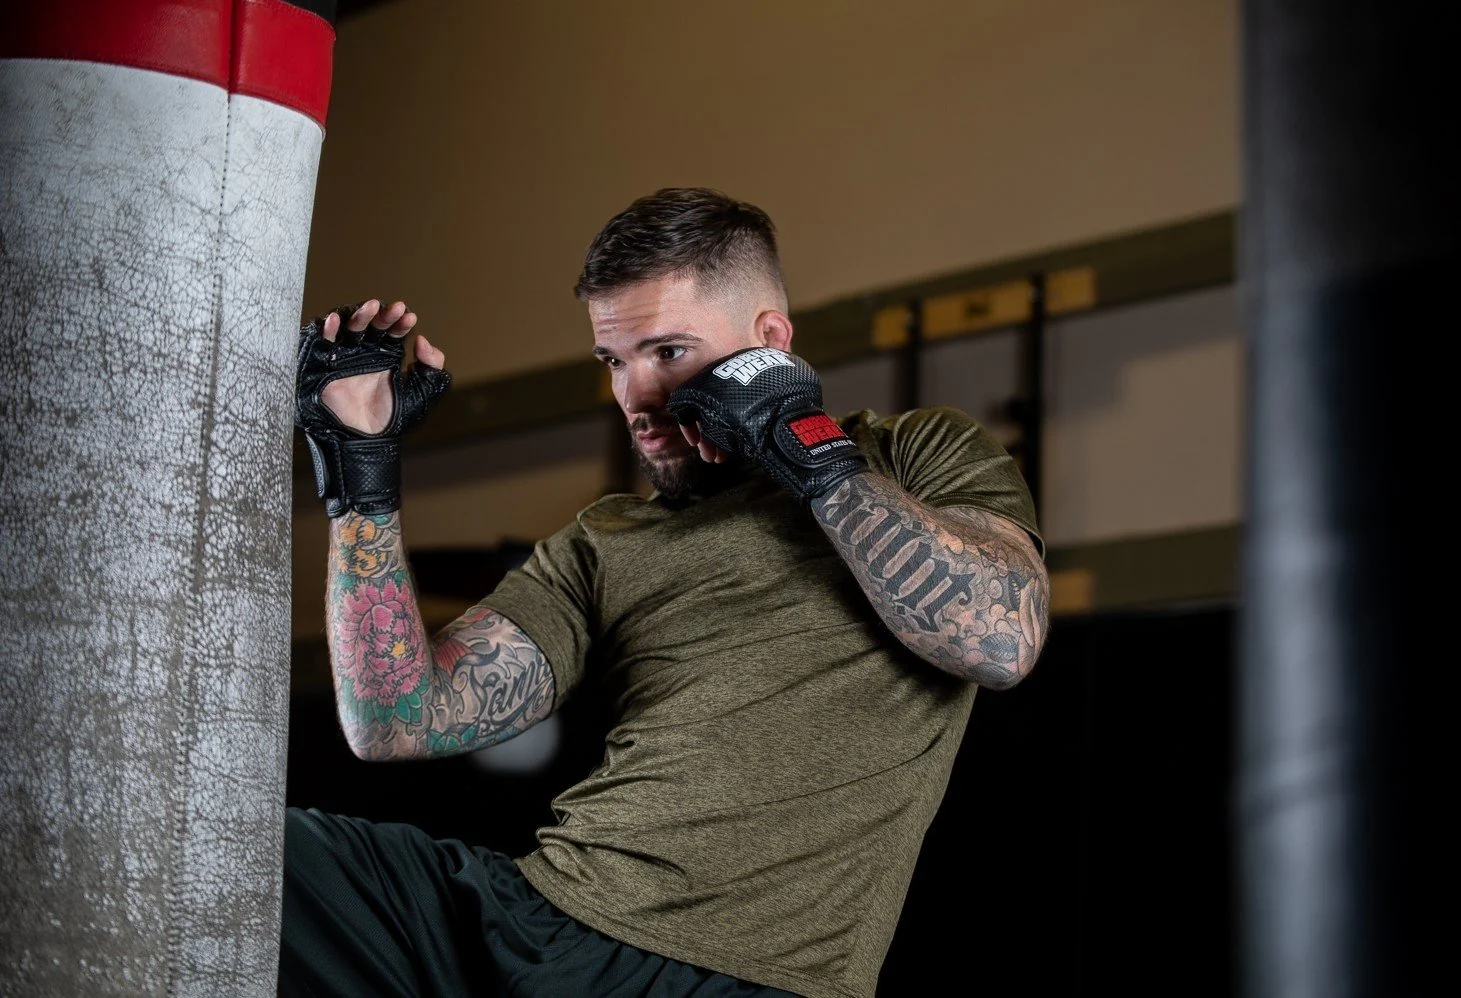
(956, 586)
(378, 645)
(401, 695)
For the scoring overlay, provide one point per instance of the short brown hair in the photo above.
(681, 231)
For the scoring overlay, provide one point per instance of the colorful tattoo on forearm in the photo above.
(401, 695)
(957, 586)
(382, 660)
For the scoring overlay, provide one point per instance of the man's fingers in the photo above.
(395, 319)
(403, 325)
(362, 316)
(386, 317)
(709, 453)
(428, 354)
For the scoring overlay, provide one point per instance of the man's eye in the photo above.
(671, 353)
(611, 361)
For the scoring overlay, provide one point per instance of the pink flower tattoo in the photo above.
(374, 620)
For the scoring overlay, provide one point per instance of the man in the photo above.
(791, 630)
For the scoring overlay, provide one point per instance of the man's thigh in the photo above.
(384, 909)
(369, 910)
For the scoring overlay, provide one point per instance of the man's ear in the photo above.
(773, 329)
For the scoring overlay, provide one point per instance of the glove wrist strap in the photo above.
(360, 475)
(813, 453)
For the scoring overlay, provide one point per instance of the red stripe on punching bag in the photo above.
(182, 37)
(264, 48)
(283, 54)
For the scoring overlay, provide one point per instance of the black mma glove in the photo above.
(355, 470)
(766, 405)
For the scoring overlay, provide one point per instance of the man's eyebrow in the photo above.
(651, 342)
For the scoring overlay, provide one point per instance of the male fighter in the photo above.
(791, 631)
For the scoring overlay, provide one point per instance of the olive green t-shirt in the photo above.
(776, 754)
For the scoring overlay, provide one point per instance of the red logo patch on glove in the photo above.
(815, 429)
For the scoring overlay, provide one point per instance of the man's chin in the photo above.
(682, 475)
(671, 475)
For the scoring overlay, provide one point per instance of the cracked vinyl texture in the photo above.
(152, 248)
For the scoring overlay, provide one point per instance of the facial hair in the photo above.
(681, 476)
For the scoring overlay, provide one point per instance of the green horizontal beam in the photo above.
(1191, 566)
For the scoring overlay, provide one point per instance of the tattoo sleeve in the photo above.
(963, 589)
(401, 695)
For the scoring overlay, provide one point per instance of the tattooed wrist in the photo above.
(959, 587)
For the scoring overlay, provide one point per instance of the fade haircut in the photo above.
(723, 243)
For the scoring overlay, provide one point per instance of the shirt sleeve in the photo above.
(550, 598)
(945, 457)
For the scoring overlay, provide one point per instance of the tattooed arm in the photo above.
(964, 589)
(400, 695)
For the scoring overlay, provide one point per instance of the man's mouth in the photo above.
(657, 439)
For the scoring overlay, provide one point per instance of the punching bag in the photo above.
(157, 171)
(1348, 252)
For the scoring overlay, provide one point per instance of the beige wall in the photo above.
(475, 148)
(1144, 428)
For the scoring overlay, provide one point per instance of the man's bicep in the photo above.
(948, 460)
(491, 682)
(551, 600)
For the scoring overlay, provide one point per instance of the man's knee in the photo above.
(319, 859)
(301, 839)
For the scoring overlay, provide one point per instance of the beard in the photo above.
(678, 473)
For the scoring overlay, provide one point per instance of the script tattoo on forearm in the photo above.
(958, 586)
(402, 696)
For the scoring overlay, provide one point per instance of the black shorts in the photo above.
(384, 909)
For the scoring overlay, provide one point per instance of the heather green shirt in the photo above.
(777, 755)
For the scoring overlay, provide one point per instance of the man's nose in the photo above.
(643, 392)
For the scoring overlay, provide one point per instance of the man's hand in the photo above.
(766, 406)
(363, 402)
(353, 402)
